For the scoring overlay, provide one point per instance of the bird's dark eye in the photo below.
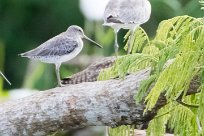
(80, 31)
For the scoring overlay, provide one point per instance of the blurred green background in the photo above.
(25, 24)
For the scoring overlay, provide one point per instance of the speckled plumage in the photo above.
(53, 50)
(60, 48)
(126, 14)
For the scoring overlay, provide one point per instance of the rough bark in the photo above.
(104, 103)
(91, 73)
(109, 103)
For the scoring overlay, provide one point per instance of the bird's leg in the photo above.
(116, 46)
(106, 131)
(130, 41)
(57, 68)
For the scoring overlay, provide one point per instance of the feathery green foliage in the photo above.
(140, 40)
(200, 118)
(175, 56)
(180, 119)
(187, 120)
(157, 127)
(186, 37)
(122, 131)
(202, 4)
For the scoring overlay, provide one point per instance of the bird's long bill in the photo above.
(5, 78)
(87, 38)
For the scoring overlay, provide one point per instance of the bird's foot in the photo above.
(116, 50)
(128, 51)
(61, 85)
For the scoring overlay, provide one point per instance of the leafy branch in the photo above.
(176, 57)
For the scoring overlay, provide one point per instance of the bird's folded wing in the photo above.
(58, 46)
(112, 19)
(137, 11)
(127, 11)
(111, 12)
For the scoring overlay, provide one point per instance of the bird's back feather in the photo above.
(127, 11)
(56, 47)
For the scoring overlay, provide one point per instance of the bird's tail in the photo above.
(23, 54)
(28, 54)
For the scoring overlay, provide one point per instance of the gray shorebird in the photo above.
(5, 78)
(126, 14)
(60, 48)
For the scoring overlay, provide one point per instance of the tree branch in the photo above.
(91, 73)
(109, 103)
(99, 103)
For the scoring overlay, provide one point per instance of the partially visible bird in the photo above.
(60, 48)
(126, 14)
(5, 78)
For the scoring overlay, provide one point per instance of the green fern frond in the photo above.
(122, 131)
(201, 109)
(169, 30)
(183, 122)
(176, 78)
(175, 56)
(144, 87)
(128, 64)
(140, 40)
(157, 127)
(175, 117)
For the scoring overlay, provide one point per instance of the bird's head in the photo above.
(78, 32)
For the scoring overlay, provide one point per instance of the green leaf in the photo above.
(176, 57)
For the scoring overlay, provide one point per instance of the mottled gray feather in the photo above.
(127, 11)
(112, 19)
(57, 46)
(111, 10)
(134, 11)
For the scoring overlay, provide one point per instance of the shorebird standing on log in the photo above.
(5, 78)
(60, 48)
(126, 14)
